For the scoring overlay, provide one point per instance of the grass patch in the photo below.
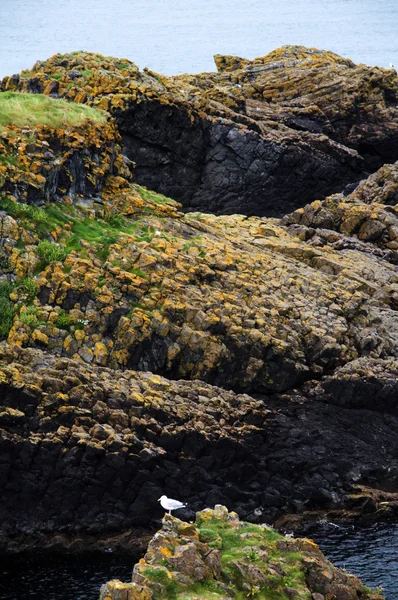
(49, 253)
(5, 161)
(23, 110)
(63, 321)
(7, 309)
(28, 287)
(29, 317)
(152, 196)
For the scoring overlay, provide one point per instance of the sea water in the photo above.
(176, 36)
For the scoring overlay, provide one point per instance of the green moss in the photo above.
(244, 545)
(36, 109)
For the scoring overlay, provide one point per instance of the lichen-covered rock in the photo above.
(237, 302)
(104, 445)
(259, 137)
(252, 561)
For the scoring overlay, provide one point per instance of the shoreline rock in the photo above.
(227, 558)
(135, 333)
(259, 137)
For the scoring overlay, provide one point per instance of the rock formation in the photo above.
(133, 333)
(259, 137)
(220, 556)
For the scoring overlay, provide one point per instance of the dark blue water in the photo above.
(176, 36)
(371, 553)
(59, 577)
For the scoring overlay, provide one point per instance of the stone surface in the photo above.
(258, 137)
(133, 333)
(247, 570)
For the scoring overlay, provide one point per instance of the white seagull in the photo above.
(170, 504)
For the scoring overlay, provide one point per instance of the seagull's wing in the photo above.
(174, 504)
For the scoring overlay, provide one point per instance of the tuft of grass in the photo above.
(49, 253)
(63, 321)
(7, 310)
(29, 317)
(23, 110)
(28, 287)
(150, 195)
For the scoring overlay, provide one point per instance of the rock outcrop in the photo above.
(220, 556)
(87, 450)
(259, 137)
(133, 333)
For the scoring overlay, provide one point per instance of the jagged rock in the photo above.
(307, 570)
(259, 137)
(96, 471)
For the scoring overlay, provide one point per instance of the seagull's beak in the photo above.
(158, 500)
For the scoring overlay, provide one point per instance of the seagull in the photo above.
(170, 504)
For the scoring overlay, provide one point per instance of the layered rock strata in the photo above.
(133, 333)
(259, 137)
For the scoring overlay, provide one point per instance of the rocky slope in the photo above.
(221, 557)
(259, 137)
(133, 333)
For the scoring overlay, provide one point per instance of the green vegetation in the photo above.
(28, 287)
(248, 546)
(63, 321)
(7, 309)
(244, 546)
(150, 195)
(100, 232)
(29, 317)
(160, 575)
(5, 161)
(36, 109)
(49, 253)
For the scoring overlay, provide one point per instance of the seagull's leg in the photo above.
(170, 512)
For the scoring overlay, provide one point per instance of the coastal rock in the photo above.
(259, 137)
(105, 444)
(246, 569)
(134, 334)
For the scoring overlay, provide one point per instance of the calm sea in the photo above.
(176, 36)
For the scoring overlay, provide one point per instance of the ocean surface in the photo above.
(371, 553)
(176, 36)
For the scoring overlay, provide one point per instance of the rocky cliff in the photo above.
(249, 361)
(259, 137)
(220, 556)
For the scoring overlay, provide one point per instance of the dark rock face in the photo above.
(264, 136)
(259, 137)
(221, 167)
(88, 450)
